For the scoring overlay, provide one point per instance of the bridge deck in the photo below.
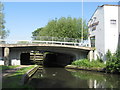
(45, 45)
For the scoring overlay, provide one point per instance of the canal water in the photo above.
(68, 78)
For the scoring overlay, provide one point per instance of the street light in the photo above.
(82, 24)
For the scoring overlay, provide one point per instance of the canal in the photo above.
(68, 78)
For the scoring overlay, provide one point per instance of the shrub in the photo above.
(87, 63)
(99, 59)
(113, 62)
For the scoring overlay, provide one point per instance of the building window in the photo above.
(119, 41)
(92, 39)
(93, 24)
(94, 17)
(112, 21)
(94, 28)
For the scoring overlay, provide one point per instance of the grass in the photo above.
(14, 80)
(8, 67)
(87, 63)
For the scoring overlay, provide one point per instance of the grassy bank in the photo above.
(112, 62)
(87, 63)
(3, 68)
(14, 80)
(112, 65)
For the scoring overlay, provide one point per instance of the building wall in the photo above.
(100, 46)
(111, 30)
(119, 24)
(107, 33)
(99, 32)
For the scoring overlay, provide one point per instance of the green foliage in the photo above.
(36, 32)
(87, 63)
(3, 33)
(99, 59)
(22, 42)
(113, 62)
(16, 78)
(7, 67)
(63, 27)
(112, 65)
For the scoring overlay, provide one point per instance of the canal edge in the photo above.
(29, 74)
(85, 68)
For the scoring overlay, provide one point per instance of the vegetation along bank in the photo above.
(112, 64)
(15, 77)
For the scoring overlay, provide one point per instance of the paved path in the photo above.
(11, 71)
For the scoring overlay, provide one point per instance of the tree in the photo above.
(63, 27)
(22, 42)
(3, 33)
(113, 61)
(36, 33)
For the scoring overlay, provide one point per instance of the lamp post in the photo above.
(82, 24)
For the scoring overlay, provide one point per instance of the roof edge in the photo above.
(101, 7)
(108, 5)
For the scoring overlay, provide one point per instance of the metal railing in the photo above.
(61, 39)
(48, 40)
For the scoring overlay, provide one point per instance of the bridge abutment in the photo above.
(6, 56)
(15, 57)
(95, 55)
(1, 56)
(91, 55)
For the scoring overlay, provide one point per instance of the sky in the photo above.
(22, 18)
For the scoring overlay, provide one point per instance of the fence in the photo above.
(61, 39)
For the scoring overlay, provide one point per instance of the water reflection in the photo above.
(61, 78)
(98, 80)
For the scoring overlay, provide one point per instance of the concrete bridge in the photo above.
(11, 53)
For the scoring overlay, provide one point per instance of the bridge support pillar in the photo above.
(90, 55)
(6, 56)
(95, 55)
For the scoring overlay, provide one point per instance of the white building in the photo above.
(104, 29)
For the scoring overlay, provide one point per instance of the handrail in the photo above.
(43, 42)
(47, 40)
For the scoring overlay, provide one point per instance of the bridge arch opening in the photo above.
(47, 59)
(52, 59)
(25, 59)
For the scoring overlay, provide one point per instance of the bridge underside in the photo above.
(60, 55)
(57, 59)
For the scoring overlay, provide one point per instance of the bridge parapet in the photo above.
(26, 42)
